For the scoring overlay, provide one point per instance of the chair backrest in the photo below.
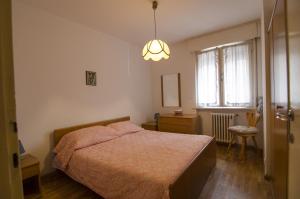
(253, 118)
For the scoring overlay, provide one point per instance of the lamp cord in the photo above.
(154, 24)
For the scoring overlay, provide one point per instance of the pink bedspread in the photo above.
(137, 165)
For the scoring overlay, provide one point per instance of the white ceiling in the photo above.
(132, 20)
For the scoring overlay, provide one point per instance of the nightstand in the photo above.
(30, 166)
(152, 126)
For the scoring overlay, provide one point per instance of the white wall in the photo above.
(240, 32)
(183, 61)
(51, 55)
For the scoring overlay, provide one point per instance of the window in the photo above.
(225, 77)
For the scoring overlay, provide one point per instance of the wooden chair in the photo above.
(244, 132)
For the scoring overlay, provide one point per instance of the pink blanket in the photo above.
(136, 165)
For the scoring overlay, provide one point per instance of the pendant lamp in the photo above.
(156, 49)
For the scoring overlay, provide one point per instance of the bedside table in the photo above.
(152, 126)
(30, 166)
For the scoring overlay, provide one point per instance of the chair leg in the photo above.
(230, 143)
(243, 149)
(255, 144)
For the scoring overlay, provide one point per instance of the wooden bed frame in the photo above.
(189, 183)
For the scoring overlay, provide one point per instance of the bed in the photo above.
(144, 164)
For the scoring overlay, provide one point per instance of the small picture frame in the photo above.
(90, 78)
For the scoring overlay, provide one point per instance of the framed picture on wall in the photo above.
(90, 78)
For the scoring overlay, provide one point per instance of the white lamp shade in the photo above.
(156, 50)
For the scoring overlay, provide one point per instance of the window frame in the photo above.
(221, 89)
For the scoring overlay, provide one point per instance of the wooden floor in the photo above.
(232, 179)
(235, 179)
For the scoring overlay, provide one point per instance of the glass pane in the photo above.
(207, 79)
(237, 75)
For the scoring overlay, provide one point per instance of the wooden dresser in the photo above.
(186, 123)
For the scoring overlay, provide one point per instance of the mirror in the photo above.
(170, 90)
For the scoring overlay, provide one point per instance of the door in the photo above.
(293, 18)
(279, 99)
(10, 182)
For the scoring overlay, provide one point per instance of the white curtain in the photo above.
(238, 74)
(207, 79)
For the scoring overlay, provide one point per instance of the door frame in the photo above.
(10, 183)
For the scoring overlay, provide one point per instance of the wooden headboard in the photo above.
(59, 133)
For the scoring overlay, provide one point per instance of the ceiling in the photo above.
(132, 20)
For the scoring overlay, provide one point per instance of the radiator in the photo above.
(220, 124)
